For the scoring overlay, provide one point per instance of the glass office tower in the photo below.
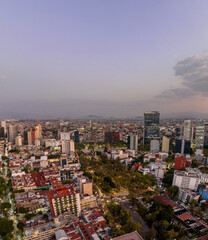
(151, 126)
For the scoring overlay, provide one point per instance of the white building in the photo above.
(159, 173)
(68, 147)
(154, 146)
(187, 130)
(65, 136)
(187, 179)
(133, 142)
(187, 194)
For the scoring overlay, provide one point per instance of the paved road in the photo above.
(7, 198)
(137, 218)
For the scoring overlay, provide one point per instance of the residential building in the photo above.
(65, 136)
(112, 137)
(11, 133)
(154, 146)
(62, 200)
(181, 162)
(186, 179)
(165, 144)
(133, 142)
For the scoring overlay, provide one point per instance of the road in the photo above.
(137, 218)
(7, 198)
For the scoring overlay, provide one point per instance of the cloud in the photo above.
(193, 72)
(176, 93)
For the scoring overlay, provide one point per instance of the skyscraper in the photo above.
(199, 134)
(76, 136)
(31, 136)
(112, 137)
(133, 142)
(3, 124)
(68, 147)
(38, 132)
(165, 144)
(183, 146)
(151, 126)
(11, 132)
(187, 130)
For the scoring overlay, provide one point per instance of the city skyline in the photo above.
(119, 59)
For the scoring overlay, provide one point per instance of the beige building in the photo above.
(85, 186)
(18, 140)
(165, 144)
(38, 131)
(88, 201)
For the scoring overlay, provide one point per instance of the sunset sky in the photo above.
(109, 58)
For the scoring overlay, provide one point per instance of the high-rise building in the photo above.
(76, 136)
(3, 124)
(181, 162)
(154, 146)
(187, 130)
(18, 140)
(25, 138)
(11, 133)
(151, 126)
(178, 131)
(112, 137)
(85, 186)
(62, 200)
(182, 146)
(1, 132)
(133, 142)
(31, 136)
(65, 136)
(38, 132)
(71, 147)
(199, 134)
(165, 144)
(206, 134)
(68, 147)
(186, 179)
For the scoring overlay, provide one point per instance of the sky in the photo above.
(73, 58)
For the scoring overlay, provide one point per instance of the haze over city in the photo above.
(103, 120)
(106, 58)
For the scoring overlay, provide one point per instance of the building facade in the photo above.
(151, 125)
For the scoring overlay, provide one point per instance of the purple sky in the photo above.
(109, 58)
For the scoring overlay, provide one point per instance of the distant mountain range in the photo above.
(182, 115)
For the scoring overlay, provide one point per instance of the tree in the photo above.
(68, 181)
(45, 217)
(6, 228)
(168, 179)
(23, 210)
(20, 226)
(5, 206)
(131, 226)
(173, 191)
(152, 234)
